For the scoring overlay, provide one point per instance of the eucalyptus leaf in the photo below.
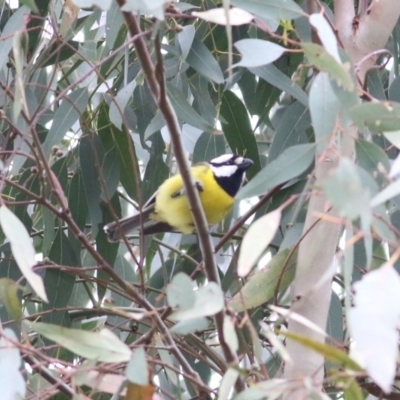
(103, 346)
(263, 285)
(325, 62)
(201, 59)
(382, 116)
(209, 301)
(22, 249)
(275, 77)
(270, 9)
(256, 52)
(290, 164)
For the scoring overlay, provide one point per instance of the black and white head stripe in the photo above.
(227, 164)
(228, 170)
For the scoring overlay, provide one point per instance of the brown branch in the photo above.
(47, 375)
(155, 80)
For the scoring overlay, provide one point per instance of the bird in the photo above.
(167, 210)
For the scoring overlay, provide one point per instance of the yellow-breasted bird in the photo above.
(167, 210)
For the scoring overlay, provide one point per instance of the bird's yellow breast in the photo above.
(174, 209)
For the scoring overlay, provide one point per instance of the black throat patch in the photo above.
(231, 184)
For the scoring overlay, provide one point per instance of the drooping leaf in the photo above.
(201, 59)
(237, 129)
(185, 111)
(290, 130)
(263, 285)
(103, 346)
(324, 108)
(15, 23)
(66, 115)
(22, 249)
(256, 240)
(90, 154)
(326, 34)
(137, 370)
(60, 284)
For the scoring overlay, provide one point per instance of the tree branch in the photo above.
(155, 80)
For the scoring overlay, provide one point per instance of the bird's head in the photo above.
(229, 170)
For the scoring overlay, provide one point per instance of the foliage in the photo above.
(85, 138)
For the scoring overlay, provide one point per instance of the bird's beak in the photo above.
(246, 163)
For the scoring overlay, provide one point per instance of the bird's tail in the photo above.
(117, 229)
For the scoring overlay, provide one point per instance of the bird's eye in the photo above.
(239, 160)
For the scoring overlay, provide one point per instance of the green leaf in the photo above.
(66, 115)
(114, 21)
(201, 60)
(325, 33)
(185, 111)
(78, 207)
(290, 164)
(185, 39)
(334, 325)
(117, 107)
(237, 129)
(31, 4)
(125, 148)
(371, 157)
(137, 370)
(325, 62)
(15, 23)
(90, 154)
(202, 100)
(290, 130)
(167, 360)
(110, 173)
(277, 78)
(190, 326)
(270, 9)
(352, 389)
(263, 285)
(256, 240)
(103, 346)
(22, 249)
(207, 147)
(60, 284)
(324, 108)
(330, 353)
(209, 301)
(394, 90)
(256, 52)
(345, 191)
(10, 299)
(379, 117)
(180, 292)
